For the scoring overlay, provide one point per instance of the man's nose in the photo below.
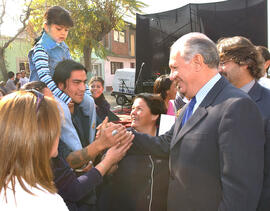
(132, 113)
(221, 68)
(173, 75)
(82, 86)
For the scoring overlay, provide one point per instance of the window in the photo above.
(132, 65)
(96, 70)
(132, 45)
(24, 66)
(115, 66)
(119, 36)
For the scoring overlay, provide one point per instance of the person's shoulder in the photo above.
(39, 48)
(261, 96)
(231, 93)
(47, 42)
(36, 201)
(231, 100)
(265, 90)
(42, 196)
(64, 45)
(223, 90)
(260, 92)
(106, 103)
(62, 104)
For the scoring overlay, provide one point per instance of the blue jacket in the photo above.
(56, 53)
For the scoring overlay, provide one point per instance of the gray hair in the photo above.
(197, 43)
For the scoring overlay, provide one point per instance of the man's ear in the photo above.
(61, 86)
(46, 27)
(266, 64)
(198, 61)
(244, 68)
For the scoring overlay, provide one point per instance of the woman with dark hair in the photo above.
(96, 85)
(141, 181)
(167, 90)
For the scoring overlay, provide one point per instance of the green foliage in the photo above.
(92, 20)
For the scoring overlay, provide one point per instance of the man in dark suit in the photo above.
(216, 155)
(242, 64)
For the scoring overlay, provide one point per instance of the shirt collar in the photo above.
(50, 42)
(246, 88)
(205, 89)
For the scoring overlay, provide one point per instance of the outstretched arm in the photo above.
(155, 145)
(105, 140)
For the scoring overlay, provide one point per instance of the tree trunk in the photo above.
(3, 66)
(87, 50)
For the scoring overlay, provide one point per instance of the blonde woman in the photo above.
(30, 129)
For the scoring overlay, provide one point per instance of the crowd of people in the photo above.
(59, 151)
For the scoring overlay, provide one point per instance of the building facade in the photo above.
(16, 54)
(121, 45)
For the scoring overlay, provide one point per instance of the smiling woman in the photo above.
(96, 85)
(141, 181)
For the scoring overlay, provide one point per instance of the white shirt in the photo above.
(24, 81)
(23, 201)
(265, 82)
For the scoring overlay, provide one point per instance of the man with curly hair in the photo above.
(242, 64)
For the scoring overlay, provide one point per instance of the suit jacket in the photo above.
(261, 96)
(216, 158)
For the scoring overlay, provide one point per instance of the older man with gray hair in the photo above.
(216, 151)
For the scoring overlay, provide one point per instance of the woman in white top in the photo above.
(30, 129)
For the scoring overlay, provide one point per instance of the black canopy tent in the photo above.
(155, 33)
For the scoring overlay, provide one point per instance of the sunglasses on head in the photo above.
(38, 95)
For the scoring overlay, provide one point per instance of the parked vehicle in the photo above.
(123, 85)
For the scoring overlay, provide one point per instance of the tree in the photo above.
(93, 20)
(5, 44)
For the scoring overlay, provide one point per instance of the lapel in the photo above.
(199, 114)
(179, 120)
(255, 92)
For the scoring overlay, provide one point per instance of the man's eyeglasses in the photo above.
(222, 63)
(38, 95)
